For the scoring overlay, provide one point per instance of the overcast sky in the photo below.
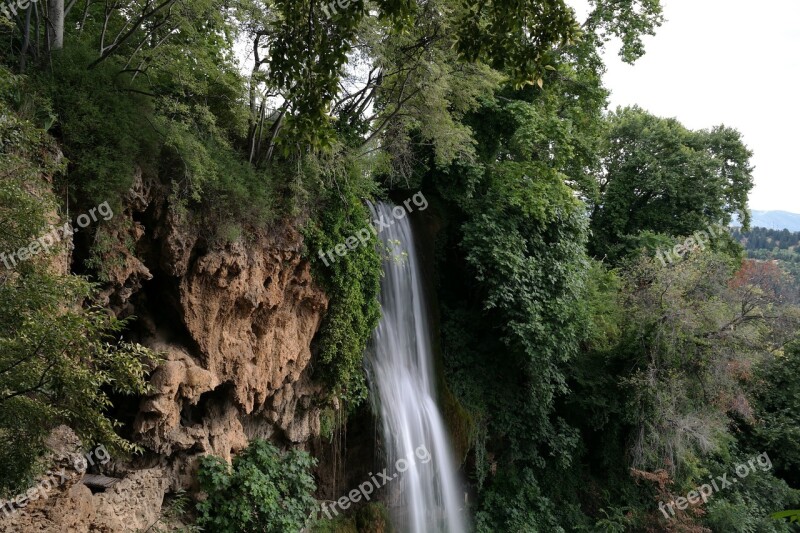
(732, 62)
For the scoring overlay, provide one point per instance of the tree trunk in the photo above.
(55, 24)
(26, 39)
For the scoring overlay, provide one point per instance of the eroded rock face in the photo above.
(244, 316)
(125, 271)
(67, 505)
(251, 312)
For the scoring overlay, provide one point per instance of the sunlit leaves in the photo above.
(791, 516)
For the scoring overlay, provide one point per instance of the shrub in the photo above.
(264, 490)
(352, 282)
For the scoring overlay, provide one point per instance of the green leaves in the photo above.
(657, 175)
(516, 37)
(628, 20)
(776, 404)
(263, 490)
(792, 516)
(59, 356)
(352, 282)
(522, 39)
(56, 363)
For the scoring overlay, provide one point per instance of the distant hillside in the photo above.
(760, 238)
(775, 220)
(771, 244)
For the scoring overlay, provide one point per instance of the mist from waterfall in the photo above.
(426, 497)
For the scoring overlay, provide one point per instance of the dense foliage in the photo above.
(518, 237)
(768, 239)
(264, 490)
(351, 282)
(775, 427)
(597, 380)
(656, 175)
(60, 356)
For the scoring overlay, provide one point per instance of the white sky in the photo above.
(732, 62)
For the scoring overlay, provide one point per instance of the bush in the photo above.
(264, 490)
(103, 125)
(371, 518)
(777, 409)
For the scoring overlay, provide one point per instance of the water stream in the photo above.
(425, 497)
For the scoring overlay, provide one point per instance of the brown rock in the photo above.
(133, 504)
(252, 312)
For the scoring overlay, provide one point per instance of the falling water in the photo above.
(400, 369)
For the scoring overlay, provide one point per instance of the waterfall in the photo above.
(403, 386)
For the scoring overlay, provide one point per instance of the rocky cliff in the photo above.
(234, 324)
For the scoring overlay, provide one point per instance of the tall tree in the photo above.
(658, 176)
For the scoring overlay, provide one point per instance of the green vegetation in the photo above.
(599, 385)
(693, 179)
(175, 510)
(60, 356)
(519, 236)
(769, 239)
(776, 405)
(264, 490)
(351, 282)
(596, 381)
(791, 516)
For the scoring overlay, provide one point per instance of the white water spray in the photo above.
(401, 378)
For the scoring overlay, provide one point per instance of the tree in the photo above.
(694, 331)
(516, 236)
(55, 24)
(297, 42)
(661, 397)
(775, 427)
(657, 175)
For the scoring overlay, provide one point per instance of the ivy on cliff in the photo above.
(352, 283)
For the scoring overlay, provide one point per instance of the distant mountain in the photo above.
(774, 220)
